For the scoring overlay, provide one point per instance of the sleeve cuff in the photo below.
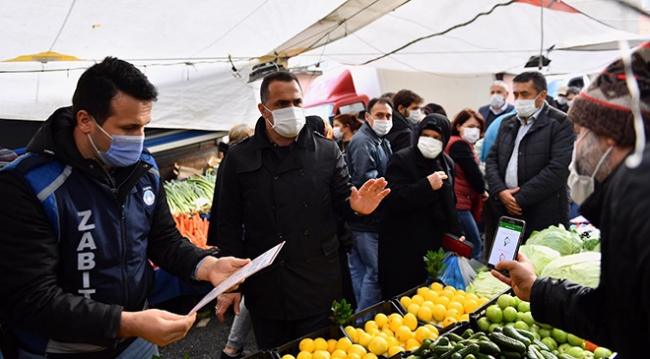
(196, 270)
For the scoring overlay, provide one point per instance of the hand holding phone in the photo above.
(507, 240)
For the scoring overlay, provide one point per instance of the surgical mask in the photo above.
(382, 127)
(561, 100)
(471, 135)
(414, 116)
(569, 103)
(429, 147)
(338, 135)
(288, 121)
(123, 151)
(582, 186)
(497, 100)
(526, 108)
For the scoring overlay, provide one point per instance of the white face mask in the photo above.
(288, 121)
(561, 100)
(569, 103)
(497, 100)
(414, 116)
(381, 127)
(582, 186)
(471, 135)
(429, 147)
(526, 108)
(338, 135)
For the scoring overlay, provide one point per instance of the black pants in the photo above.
(271, 334)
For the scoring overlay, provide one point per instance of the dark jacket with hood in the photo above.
(415, 216)
(400, 135)
(74, 258)
(290, 194)
(616, 314)
(542, 169)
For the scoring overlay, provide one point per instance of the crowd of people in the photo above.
(357, 206)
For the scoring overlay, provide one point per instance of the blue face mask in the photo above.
(123, 151)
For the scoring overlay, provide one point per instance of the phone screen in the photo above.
(506, 242)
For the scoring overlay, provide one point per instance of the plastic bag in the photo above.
(458, 272)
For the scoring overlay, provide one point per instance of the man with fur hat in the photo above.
(616, 199)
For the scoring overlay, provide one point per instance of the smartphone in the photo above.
(452, 243)
(507, 240)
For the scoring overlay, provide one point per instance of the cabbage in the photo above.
(486, 285)
(582, 268)
(541, 256)
(558, 238)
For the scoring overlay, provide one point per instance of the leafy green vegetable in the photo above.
(486, 285)
(541, 256)
(558, 238)
(341, 312)
(590, 244)
(582, 268)
(433, 263)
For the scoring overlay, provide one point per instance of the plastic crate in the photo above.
(481, 310)
(293, 347)
(263, 354)
(386, 307)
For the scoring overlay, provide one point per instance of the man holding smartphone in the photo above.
(616, 199)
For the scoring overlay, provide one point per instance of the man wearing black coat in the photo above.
(528, 164)
(288, 184)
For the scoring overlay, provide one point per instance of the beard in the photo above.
(590, 154)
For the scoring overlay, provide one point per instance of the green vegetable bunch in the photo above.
(433, 263)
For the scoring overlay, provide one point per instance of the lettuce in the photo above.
(558, 238)
(582, 268)
(541, 256)
(486, 285)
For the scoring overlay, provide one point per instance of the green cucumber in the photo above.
(470, 349)
(455, 337)
(478, 335)
(565, 356)
(487, 347)
(514, 334)
(548, 354)
(506, 342)
(442, 349)
(510, 355)
(448, 354)
(467, 333)
(480, 355)
(527, 334)
(456, 356)
(425, 345)
(470, 356)
(530, 353)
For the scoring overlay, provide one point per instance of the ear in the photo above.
(401, 109)
(84, 121)
(610, 142)
(262, 110)
(542, 96)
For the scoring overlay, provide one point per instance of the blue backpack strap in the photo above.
(45, 176)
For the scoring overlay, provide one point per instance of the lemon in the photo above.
(364, 339)
(422, 291)
(482, 301)
(381, 319)
(431, 295)
(413, 343)
(450, 288)
(321, 354)
(339, 353)
(410, 321)
(304, 355)
(436, 286)
(288, 356)
(447, 293)
(392, 341)
(369, 356)
(352, 333)
(417, 299)
(343, 344)
(331, 345)
(438, 312)
(359, 332)
(394, 350)
(458, 298)
(422, 333)
(388, 332)
(405, 301)
(378, 345)
(432, 329)
(395, 323)
(413, 308)
(425, 314)
(370, 325)
(456, 305)
(403, 333)
(471, 296)
(452, 313)
(307, 345)
(320, 344)
(428, 304)
(353, 356)
(357, 349)
(442, 300)
(464, 318)
(470, 305)
(448, 321)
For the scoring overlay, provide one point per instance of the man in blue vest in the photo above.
(82, 212)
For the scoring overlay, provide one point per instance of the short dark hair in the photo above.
(379, 100)
(101, 82)
(539, 81)
(349, 119)
(388, 95)
(406, 98)
(573, 90)
(283, 76)
(434, 108)
(464, 116)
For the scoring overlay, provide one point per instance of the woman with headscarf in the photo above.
(420, 208)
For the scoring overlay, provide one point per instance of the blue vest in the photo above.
(103, 243)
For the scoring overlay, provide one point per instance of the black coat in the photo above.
(297, 203)
(414, 216)
(616, 314)
(400, 135)
(542, 171)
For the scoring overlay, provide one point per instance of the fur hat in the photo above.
(604, 108)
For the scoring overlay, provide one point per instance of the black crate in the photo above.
(263, 354)
(386, 307)
(332, 332)
(481, 310)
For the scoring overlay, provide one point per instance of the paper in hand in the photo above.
(262, 261)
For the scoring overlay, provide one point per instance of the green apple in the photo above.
(494, 314)
(510, 314)
(483, 324)
(575, 352)
(564, 347)
(494, 325)
(575, 341)
(523, 307)
(537, 336)
(522, 325)
(511, 324)
(528, 318)
(602, 353)
(560, 336)
(550, 343)
(517, 301)
(545, 333)
(534, 328)
(520, 316)
(505, 300)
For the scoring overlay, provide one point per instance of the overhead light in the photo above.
(534, 62)
(263, 69)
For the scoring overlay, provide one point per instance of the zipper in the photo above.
(124, 274)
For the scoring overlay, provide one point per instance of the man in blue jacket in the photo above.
(368, 155)
(82, 212)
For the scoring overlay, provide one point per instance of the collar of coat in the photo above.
(261, 139)
(540, 121)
